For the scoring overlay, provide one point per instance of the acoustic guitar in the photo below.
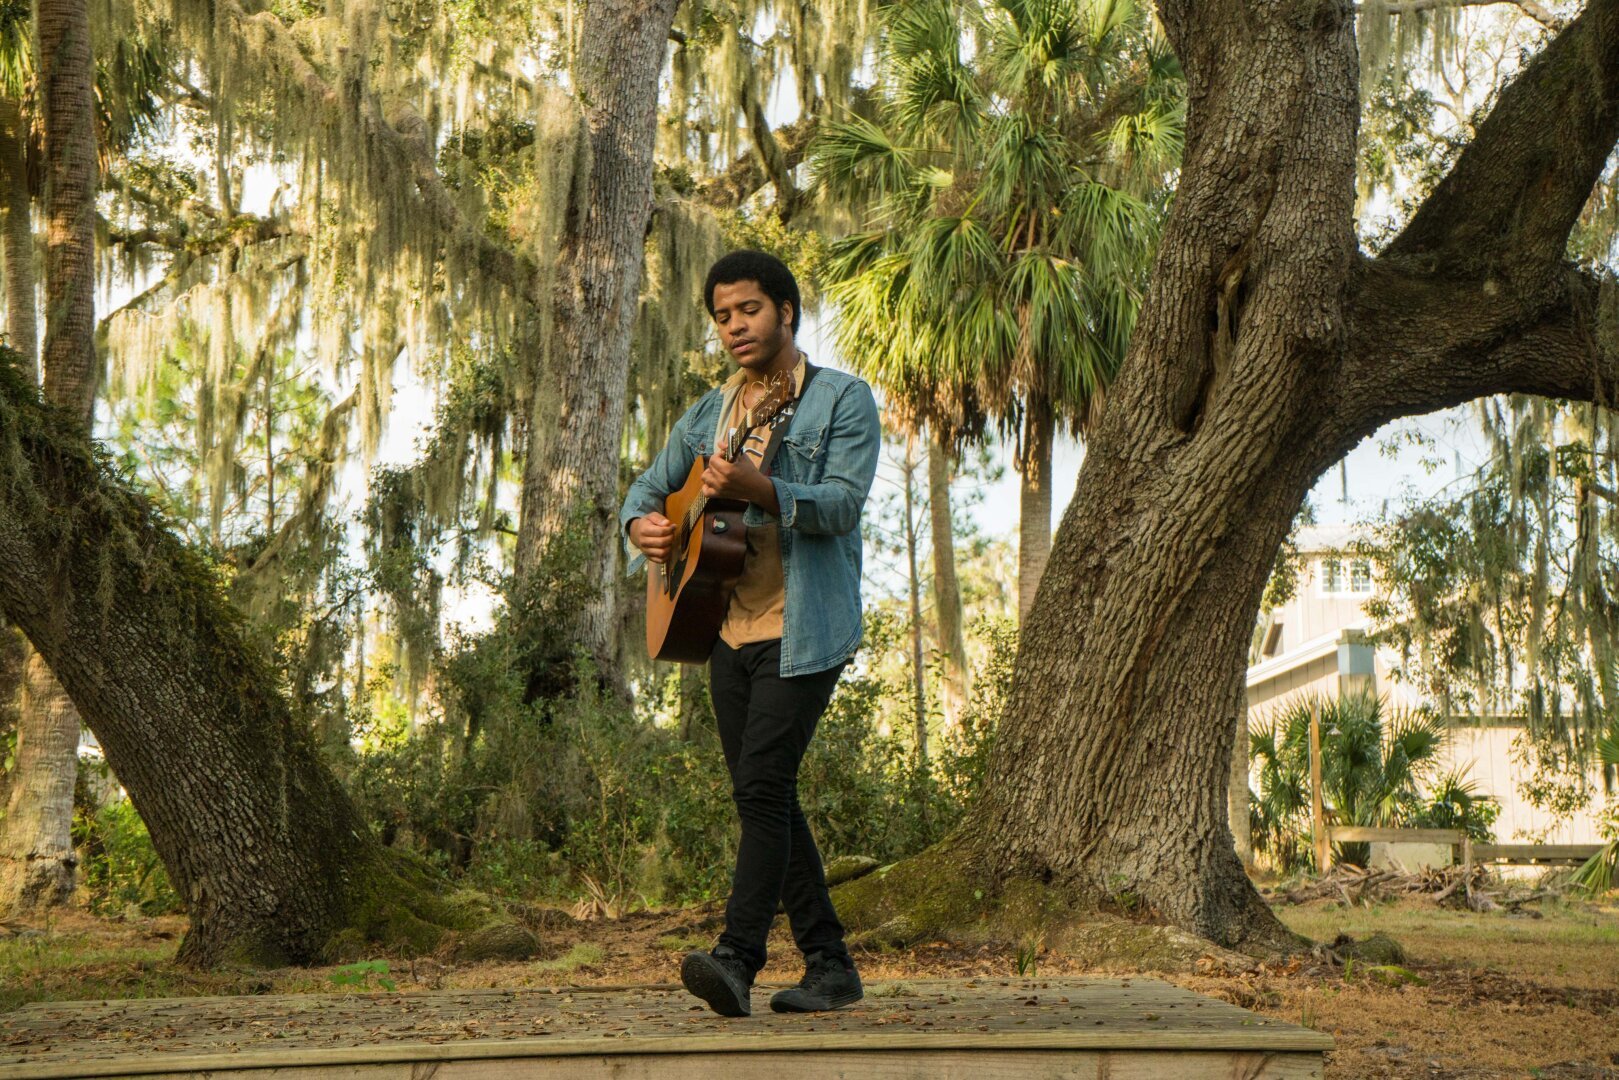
(686, 597)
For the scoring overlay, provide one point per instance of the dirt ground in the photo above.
(1534, 994)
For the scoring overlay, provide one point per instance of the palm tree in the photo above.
(1009, 186)
(36, 849)
(16, 72)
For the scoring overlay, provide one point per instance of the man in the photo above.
(792, 624)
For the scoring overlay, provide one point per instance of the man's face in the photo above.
(751, 327)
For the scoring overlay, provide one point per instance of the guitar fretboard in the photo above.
(734, 441)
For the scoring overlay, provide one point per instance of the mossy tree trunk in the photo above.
(570, 479)
(1268, 346)
(273, 861)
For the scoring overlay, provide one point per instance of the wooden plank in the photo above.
(1363, 834)
(928, 1065)
(155, 1036)
(1318, 813)
(1534, 852)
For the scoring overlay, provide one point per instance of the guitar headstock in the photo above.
(778, 392)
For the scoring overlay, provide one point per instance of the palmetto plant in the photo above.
(1597, 874)
(1009, 186)
(1378, 768)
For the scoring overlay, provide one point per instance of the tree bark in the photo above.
(67, 94)
(271, 857)
(570, 479)
(1266, 349)
(1111, 763)
(36, 838)
(1034, 500)
(946, 588)
(22, 331)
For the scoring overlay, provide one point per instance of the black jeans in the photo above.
(765, 724)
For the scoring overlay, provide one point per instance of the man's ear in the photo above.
(787, 313)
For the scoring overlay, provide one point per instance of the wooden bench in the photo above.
(1471, 853)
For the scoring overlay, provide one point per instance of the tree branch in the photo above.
(748, 174)
(398, 129)
(1535, 11)
(1507, 206)
(1425, 342)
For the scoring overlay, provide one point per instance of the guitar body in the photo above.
(686, 598)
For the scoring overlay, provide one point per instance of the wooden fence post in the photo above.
(1318, 813)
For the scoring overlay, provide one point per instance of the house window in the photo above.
(1346, 577)
(1360, 576)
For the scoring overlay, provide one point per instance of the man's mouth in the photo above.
(740, 347)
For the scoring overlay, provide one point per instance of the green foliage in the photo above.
(363, 975)
(580, 795)
(1377, 769)
(1498, 597)
(1010, 190)
(120, 868)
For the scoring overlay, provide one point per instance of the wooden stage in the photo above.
(986, 1029)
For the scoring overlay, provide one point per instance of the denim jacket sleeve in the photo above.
(664, 476)
(832, 506)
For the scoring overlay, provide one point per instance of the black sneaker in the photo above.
(829, 982)
(719, 978)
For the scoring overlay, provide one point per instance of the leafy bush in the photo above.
(120, 869)
(586, 796)
(1377, 769)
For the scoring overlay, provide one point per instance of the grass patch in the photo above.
(584, 954)
(1575, 944)
(681, 942)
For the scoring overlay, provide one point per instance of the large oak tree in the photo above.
(1268, 346)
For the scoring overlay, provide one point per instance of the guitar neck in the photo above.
(734, 442)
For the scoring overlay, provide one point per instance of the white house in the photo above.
(1317, 643)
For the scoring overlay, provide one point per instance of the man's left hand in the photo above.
(739, 479)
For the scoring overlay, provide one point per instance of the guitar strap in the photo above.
(783, 420)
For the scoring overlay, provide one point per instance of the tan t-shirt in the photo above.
(760, 599)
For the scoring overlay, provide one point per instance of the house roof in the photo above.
(1315, 539)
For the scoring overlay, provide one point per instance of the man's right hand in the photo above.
(654, 534)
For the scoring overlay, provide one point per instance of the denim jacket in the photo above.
(822, 474)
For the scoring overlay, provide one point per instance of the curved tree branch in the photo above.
(1507, 206)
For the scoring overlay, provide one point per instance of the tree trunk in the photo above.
(263, 844)
(13, 662)
(946, 588)
(696, 713)
(21, 330)
(1237, 812)
(36, 846)
(1266, 349)
(1112, 761)
(67, 94)
(36, 838)
(919, 693)
(1034, 501)
(570, 480)
(22, 333)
